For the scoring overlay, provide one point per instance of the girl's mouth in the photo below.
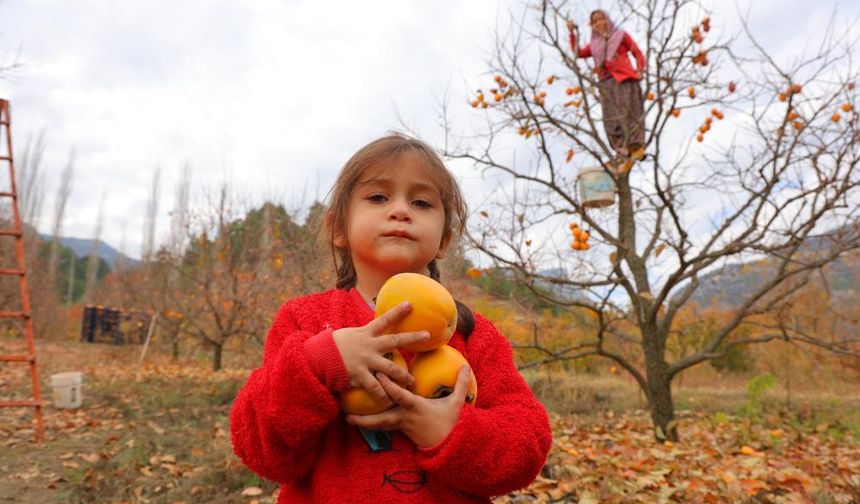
(398, 234)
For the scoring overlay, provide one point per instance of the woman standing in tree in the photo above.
(620, 94)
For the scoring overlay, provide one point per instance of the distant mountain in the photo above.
(733, 284)
(82, 246)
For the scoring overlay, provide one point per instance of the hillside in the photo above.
(733, 284)
(82, 246)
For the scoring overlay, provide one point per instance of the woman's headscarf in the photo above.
(604, 49)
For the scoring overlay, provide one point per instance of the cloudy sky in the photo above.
(271, 95)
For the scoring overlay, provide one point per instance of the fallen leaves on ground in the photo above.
(615, 459)
(157, 432)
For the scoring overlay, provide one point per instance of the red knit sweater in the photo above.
(619, 66)
(287, 426)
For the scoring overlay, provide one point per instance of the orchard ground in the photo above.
(159, 433)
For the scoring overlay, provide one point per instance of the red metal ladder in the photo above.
(20, 271)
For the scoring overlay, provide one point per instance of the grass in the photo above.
(836, 412)
(159, 433)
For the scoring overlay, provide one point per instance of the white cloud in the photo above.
(275, 95)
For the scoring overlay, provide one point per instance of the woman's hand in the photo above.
(362, 350)
(570, 25)
(426, 421)
(638, 74)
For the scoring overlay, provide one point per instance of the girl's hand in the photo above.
(426, 421)
(362, 350)
(570, 25)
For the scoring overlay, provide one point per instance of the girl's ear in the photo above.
(338, 238)
(443, 245)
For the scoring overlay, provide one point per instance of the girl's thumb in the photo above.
(461, 388)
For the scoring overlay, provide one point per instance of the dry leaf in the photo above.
(252, 492)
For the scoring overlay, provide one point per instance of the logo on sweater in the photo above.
(405, 481)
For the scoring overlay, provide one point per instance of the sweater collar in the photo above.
(359, 301)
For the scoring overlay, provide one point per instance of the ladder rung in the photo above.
(12, 272)
(7, 194)
(5, 158)
(10, 232)
(27, 403)
(14, 314)
(17, 358)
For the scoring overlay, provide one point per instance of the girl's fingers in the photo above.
(378, 325)
(372, 386)
(387, 420)
(461, 388)
(398, 394)
(398, 374)
(392, 341)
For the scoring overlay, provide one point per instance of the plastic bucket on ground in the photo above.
(596, 187)
(67, 389)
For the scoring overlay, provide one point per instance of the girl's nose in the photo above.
(400, 211)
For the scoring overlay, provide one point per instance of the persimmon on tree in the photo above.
(773, 175)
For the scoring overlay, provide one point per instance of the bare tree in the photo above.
(93, 259)
(148, 247)
(30, 183)
(62, 197)
(220, 277)
(780, 184)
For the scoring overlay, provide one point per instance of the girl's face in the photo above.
(599, 23)
(395, 219)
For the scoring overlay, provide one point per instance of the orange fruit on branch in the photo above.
(358, 401)
(835, 117)
(675, 112)
(436, 372)
(846, 107)
(433, 308)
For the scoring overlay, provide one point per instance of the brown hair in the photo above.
(378, 151)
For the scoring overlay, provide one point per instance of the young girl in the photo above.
(620, 94)
(394, 208)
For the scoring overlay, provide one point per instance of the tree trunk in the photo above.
(216, 356)
(659, 385)
(174, 339)
(662, 408)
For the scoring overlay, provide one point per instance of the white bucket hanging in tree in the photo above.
(596, 187)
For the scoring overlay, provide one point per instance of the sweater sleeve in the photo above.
(500, 444)
(631, 46)
(582, 52)
(280, 414)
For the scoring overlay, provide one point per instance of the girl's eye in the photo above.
(422, 204)
(377, 198)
